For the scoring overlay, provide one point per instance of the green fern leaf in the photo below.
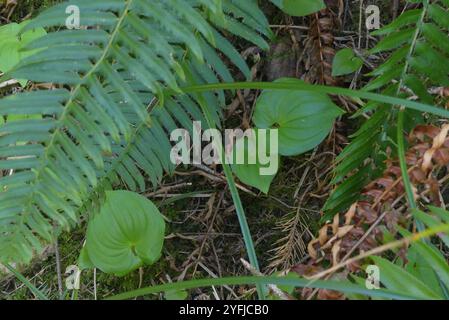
(110, 119)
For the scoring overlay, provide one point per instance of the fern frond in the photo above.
(110, 118)
(418, 43)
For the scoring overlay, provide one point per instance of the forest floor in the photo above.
(203, 237)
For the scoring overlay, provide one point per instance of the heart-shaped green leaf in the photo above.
(300, 8)
(127, 233)
(258, 173)
(345, 62)
(304, 119)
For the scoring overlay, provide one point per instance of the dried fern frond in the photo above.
(319, 48)
(365, 224)
(291, 248)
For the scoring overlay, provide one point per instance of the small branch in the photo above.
(8, 83)
(281, 294)
(389, 246)
(58, 270)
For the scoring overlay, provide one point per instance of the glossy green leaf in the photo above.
(257, 172)
(84, 261)
(345, 62)
(127, 233)
(303, 118)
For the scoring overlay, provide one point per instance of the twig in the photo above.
(213, 275)
(165, 189)
(95, 283)
(281, 294)
(386, 247)
(58, 269)
(8, 83)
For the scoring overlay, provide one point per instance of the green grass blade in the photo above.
(249, 245)
(403, 162)
(283, 281)
(321, 89)
(38, 293)
(344, 287)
